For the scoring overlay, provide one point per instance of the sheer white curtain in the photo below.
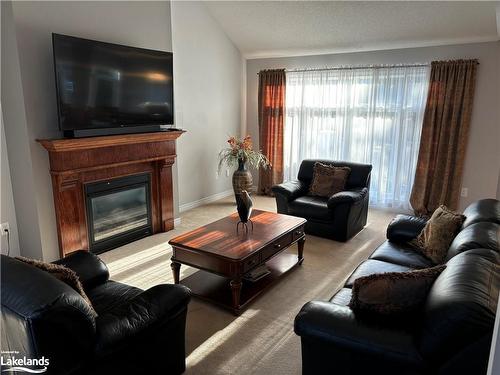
(371, 115)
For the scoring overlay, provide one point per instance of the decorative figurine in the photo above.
(244, 206)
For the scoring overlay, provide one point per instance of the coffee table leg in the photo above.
(236, 291)
(301, 243)
(176, 268)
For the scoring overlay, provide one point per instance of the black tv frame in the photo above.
(115, 130)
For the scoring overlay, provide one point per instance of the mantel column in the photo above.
(166, 194)
(70, 212)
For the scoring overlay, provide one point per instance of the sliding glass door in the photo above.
(371, 115)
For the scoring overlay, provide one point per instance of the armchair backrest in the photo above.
(42, 316)
(359, 177)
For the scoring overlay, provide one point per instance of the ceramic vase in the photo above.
(242, 178)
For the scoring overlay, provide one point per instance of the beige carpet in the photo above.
(261, 340)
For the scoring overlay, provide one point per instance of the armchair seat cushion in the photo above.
(403, 255)
(372, 266)
(107, 296)
(310, 207)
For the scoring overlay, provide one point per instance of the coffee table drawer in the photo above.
(277, 246)
(297, 233)
(197, 260)
(251, 262)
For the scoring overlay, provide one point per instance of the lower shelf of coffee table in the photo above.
(216, 289)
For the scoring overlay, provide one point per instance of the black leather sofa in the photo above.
(338, 217)
(451, 335)
(135, 332)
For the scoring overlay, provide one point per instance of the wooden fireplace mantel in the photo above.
(76, 162)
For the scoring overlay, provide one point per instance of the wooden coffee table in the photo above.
(224, 255)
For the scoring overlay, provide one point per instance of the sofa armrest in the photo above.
(404, 228)
(148, 310)
(337, 325)
(290, 190)
(90, 269)
(347, 196)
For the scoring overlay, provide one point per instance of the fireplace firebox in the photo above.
(118, 211)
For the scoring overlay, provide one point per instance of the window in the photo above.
(371, 115)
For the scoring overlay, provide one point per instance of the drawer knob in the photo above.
(277, 246)
(298, 232)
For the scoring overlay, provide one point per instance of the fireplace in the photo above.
(118, 211)
(111, 190)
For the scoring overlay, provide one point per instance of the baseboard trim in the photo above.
(206, 200)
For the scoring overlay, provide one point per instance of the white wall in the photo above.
(482, 162)
(140, 24)
(208, 89)
(7, 210)
(18, 142)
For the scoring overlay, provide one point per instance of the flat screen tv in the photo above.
(105, 88)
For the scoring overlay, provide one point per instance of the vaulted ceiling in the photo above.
(277, 28)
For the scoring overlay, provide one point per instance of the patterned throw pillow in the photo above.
(63, 274)
(393, 293)
(328, 179)
(438, 233)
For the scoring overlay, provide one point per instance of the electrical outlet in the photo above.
(216, 175)
(227, 172)
(4, 228)
(465, 192)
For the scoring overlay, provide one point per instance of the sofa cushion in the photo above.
(482, 210)
(438, 233)
(110, 294)
(404, 255)
(371, 266)
(310, 207)
(461, 305)
(479, 235)
(393, 293)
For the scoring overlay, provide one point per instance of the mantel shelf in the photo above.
(73, 144)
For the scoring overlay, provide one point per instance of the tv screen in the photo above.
(103, 85)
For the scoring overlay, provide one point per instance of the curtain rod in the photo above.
(356, 67)
(359, 67)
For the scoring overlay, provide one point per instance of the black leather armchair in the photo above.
(452, 334)
(338, 217)
(135, 332)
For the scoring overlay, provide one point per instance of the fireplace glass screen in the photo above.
(118, 211)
